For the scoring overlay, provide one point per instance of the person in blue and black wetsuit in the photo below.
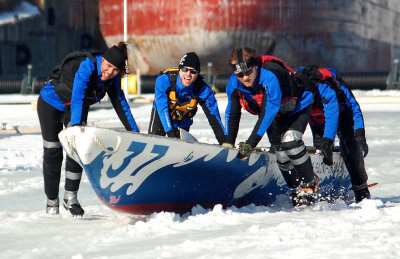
(177, 94)
(266, 87)
(336, 111)
(82, 79)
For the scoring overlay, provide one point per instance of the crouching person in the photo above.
(177, 94)
(266, 87)
(82, 79)
(336, 111)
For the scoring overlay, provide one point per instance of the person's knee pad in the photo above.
(294, 148)
(293, 144)
(291, 135)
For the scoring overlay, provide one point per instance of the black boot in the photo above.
(305, 194)
(361, 194)
(71, 204)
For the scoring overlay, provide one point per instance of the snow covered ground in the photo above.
(339, 230)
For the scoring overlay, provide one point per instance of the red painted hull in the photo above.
(353, 35)
(147, 209)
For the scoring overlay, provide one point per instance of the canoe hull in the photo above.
(140, 174)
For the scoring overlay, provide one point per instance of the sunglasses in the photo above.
(192, 71)
(246, 73)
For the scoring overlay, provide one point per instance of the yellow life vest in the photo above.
(177, 109)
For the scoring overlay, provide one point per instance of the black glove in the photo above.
(362, 141)
(173, 133)
(244, 150)
(326, 149)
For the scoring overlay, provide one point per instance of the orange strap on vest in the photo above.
(268, 58)
(257, 100)
(325, 74)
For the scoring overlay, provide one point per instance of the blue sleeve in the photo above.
(331, 110)
(161, 101)
(305, 101)
(125, 105)
(81, 80)
(273, 101)
(357, 114)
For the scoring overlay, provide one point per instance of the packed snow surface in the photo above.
(336, 230)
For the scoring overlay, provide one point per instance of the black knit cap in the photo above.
(190, 60)
(115, 57)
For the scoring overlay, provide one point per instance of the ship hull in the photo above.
(351, 35)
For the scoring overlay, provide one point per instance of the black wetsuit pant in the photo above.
(349, 147)
(51, 123)
(285, 135)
